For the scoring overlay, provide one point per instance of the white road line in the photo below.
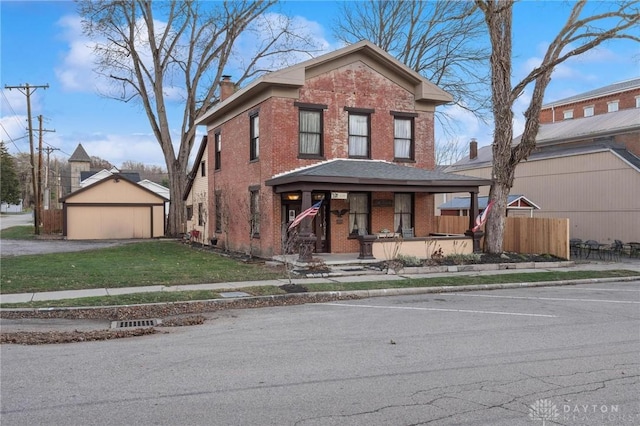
(595, 289)
(409, 308)
(559, 299)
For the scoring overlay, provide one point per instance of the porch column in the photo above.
(473, 213)
(306, 238)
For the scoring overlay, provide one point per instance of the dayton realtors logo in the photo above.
(543, 409)
(546, 411)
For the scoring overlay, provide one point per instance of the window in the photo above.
(403, 212)
(358, 214)
(218, 149)
(189, 212)
(254, 148)
(359, 135)
(254, 211)
(200, 214)
(203, 169)
(568, 114)
(310, 133)
(612, 106)
(403, 138)
(588, 111)
(637, 101)
(218, 206)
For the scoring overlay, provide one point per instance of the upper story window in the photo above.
(612, 106)
(218, 151)
(311, 130)
(254, 143)
(588, 111)
(568, 114)
(637, 101)
(403, 136)
(203, 169)
(359, 132)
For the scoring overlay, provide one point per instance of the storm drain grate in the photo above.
(135, 323)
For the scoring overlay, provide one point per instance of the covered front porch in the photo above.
(378, 199)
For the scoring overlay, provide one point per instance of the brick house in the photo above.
(353, 128)
(586, 164)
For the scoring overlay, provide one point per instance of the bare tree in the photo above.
(148, 49)
(450, 150)
(154, 173)
(442, 40)
(619, 20)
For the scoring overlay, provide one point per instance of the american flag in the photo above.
(482, 218)
(310, 212)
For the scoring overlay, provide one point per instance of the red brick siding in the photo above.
(355, 85)
(625, 100)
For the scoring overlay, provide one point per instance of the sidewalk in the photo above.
(340, 277)
(54, 325)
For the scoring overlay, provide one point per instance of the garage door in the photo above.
(99, 223)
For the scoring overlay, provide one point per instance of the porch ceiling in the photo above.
(372, 175)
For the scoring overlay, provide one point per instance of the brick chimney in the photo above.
(473, 149)
(227, 87)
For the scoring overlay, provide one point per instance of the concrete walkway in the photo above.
(624, 263)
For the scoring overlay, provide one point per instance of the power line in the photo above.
(27, 91)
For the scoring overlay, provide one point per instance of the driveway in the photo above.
(30, 247)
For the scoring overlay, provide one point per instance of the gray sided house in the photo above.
(586, 169)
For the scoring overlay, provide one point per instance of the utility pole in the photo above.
(47, 191)
(27, 90)
(39, 187)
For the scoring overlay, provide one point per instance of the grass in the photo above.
(17, 233)
(162, 262)
(129, 265)
(158, 297)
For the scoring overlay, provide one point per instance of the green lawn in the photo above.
(183, 296)
(130, 265)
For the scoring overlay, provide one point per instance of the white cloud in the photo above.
(117, 148)
(76, 71)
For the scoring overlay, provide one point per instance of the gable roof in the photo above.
(79, 155)
(114, 177)
(601, 125)
(355, 174)
(463, 203)
(611, 89)
(294, 76)
(101, 174)
(194, 169)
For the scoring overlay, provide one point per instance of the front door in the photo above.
(319, 225)
(320, 228)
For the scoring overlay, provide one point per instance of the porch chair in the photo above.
(591, 246)
(612, 251)
(575, 246)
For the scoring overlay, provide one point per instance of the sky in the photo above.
(41, 43)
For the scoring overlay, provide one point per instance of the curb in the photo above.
(294, 298)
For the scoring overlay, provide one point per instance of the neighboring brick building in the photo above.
(353, 128)
(612, 98)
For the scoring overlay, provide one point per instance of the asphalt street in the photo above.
(562, 355)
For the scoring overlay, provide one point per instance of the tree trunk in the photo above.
(177, 183)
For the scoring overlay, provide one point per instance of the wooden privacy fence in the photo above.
(51, 221)
(521, 234)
